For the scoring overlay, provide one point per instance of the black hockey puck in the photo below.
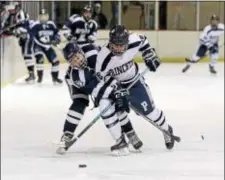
(202, 137)
(82, 165)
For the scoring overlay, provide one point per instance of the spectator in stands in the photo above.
(4, 15)
(99, 17)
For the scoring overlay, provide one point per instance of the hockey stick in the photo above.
(9, 28)
(70, 143)
(176, 138)
(188, 61)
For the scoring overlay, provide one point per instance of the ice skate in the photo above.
(212, 69)
(57, 81)
(67, 137)
(120, 148)
(134, 140)
(169, 141)
(40, 76)
(30, 78)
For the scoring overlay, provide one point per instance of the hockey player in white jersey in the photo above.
(116, 59)
(44, 34)
(209, 39)
(81, 29)
(82, 82)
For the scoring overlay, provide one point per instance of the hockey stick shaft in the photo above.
(70, 143)
(221, 45)
(176, 138)
(188, 65)
(8, 28)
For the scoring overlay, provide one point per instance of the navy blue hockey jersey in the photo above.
(86, 80)
(44, 34)
(84, 32)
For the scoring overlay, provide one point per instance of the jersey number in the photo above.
(45, 39)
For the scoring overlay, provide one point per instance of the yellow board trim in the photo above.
(137, 59)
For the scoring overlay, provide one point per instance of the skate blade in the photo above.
(57, 84)
(133, 150)
(60, 147)
(121, 152)
(30, 82)
(61, 151)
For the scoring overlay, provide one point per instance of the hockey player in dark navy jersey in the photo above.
(81, 29)
(44, 33)
(22, 31)
(83, 82)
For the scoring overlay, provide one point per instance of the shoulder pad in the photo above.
(75, 18)
(92, 21)
(34, 23)
(135, 37)
(52, 23)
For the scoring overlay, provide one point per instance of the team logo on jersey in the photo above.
(79, 84)
(121, 69)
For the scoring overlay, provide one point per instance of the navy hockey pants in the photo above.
(140, 97)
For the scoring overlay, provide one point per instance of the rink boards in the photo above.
(171, 46)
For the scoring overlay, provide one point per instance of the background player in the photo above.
(25, 42)
(23, 33)
(81, 29)
(44, 33)
(209, 39)
(116, 59)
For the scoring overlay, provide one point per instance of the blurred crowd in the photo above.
(134, 14)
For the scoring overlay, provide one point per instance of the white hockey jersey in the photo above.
(122, 67)
(210, 35)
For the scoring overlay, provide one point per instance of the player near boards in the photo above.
(81, 28)
(209, 39)
(82, 82)
(116, 59)
(21, 30)
(44, 34)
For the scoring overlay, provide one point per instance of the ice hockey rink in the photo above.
(32, 118)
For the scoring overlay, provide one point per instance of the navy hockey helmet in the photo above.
(74, 55)
(214, 20)
(43, 16)
(118, 39)
(87, 12)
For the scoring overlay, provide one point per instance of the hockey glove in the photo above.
(71, 38)
(56, 40)
(151, 60)
(121, 100)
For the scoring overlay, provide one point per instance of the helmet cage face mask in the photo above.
(118, 40)
(43, 18)
(87, 13)
(78, 60)
(118, 49)
(214, 20)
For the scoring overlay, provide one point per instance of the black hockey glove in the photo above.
(121, 100)
(151, 60)
(71, 38)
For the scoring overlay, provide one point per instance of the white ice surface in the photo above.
(32, 118)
